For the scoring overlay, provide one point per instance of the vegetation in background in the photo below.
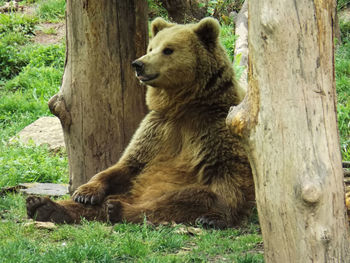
(15, 31)
(342, 4)
(23, 98)
(220, 8)
(29, 75)
(155, 9)
(51, 10)
(342, 69)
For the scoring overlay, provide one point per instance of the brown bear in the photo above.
(182, 164)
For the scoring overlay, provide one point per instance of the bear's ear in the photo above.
(159, 24)
(208, 30)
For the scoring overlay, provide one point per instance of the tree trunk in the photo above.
(100, 103)
(289, 126)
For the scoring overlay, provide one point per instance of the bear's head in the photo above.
(179, 55)
(184, 63)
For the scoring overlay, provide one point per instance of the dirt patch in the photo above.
(28, 9)
(50, 33)
(46, 33)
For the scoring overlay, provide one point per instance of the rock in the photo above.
(344, 15)
(46, 189)
(233, 16)
(46, 130)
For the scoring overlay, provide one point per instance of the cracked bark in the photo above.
(288, 124)
(100, 103)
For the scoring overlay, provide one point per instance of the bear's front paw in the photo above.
(114, 211)
(209, 221)
(90, 193)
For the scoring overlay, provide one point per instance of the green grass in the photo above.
(51, 10)
(15, 31)
(50, 31)
(228, 39)
(99, 242)
(25, 96)
(342, 69)
(15, 22)
(29, 163)
(29, 75)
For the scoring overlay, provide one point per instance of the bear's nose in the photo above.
(138, 66)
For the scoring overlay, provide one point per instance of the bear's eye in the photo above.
(168, 51)
(150, 49)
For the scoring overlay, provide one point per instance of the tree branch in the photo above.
(58, 107)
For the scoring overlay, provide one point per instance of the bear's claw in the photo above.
(89, 194)
(93, 200)
(211, 222)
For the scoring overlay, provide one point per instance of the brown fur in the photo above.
(182, 164)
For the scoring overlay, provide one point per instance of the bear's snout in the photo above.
(138, 66)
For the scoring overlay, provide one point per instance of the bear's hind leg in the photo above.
(189, 205)
(67, 211)
(44, 209)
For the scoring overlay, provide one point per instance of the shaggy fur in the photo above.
(182, 163)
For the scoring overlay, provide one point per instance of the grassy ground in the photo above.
(98, 242)
(30, 73)
(342, 69)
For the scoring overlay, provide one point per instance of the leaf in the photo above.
(193, 231)
(42, 225)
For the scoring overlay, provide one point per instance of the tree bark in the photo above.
(288, 124)
(100, 103)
